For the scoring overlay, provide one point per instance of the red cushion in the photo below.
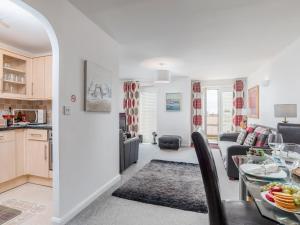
(261, 130)
(250, 129)
(261, 140)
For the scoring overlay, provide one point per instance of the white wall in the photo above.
(121, 96)
(284, 87)
(174, 123)
(88, 142)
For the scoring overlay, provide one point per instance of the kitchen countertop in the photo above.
(28, 126)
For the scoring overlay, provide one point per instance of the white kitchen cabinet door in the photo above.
(37, 158)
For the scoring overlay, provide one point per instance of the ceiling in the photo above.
(21, 30)
(205, 39)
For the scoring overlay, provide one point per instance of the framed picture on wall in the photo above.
(173, 102)
(253, 102)
(98, 88)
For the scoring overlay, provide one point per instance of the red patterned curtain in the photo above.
(131, 106)
(239, 88)
(196, 105)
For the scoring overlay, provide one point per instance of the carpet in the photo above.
(7, 214)
(172, 184)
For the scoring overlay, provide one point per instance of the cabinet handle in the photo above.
(38, 135)
(45, 153)
(32, 88)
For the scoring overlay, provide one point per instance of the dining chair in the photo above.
(222, 212)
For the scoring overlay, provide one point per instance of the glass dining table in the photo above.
(250, 187)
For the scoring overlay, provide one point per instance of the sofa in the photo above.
(229, 147)
(129, 150)
(290, 132)
(228, 144)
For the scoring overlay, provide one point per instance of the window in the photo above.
(148, 111)
(212, 113)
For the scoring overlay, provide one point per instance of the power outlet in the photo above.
(67, 110)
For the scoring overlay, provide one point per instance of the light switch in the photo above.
(67, 110)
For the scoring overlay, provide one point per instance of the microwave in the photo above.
(30, 115)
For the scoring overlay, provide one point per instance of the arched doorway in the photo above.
(55, 96)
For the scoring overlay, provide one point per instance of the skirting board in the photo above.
(79, 207)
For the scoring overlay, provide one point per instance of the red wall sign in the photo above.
(73, 98)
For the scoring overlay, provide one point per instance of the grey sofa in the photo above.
(290, 132)
(129, 151)
(229, 147)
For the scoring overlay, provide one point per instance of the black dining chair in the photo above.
(223, 212)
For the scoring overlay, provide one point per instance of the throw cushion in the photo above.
(250, 128)
(250, 139)
(261, 130)
(242, 136)
(261, 140)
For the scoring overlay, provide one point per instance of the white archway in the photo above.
(55, 97)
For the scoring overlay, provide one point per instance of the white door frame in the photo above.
(55, 99)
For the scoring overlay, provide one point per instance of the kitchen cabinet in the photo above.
(42, 78)
(38, 78)
(15, 74)
(20, 152)
(37, 158)
(37, 153)
(24, 157)
(48, 77)
(7, 156)
(24, 77)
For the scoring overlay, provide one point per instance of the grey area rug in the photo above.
(173, 184)
(7, 214)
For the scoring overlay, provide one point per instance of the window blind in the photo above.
(148, 115)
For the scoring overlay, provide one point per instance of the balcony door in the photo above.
(218, 111)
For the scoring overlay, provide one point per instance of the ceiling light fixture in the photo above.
(163, 77)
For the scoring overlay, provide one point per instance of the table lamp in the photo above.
(285, 111)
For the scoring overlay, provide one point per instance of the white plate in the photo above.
(263, 195)
(246, 168)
